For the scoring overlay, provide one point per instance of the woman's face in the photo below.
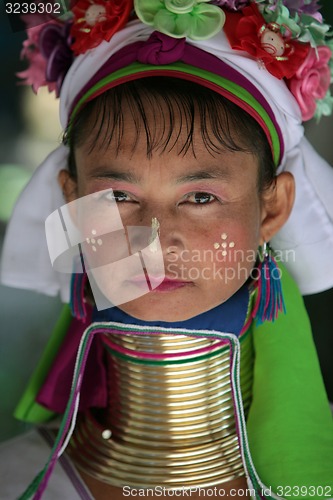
(208, 208)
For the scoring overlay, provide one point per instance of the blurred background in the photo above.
(29, 130)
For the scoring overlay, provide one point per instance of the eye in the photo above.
(200, 198)
(118, 196)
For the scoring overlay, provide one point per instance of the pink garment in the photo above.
(54, 393)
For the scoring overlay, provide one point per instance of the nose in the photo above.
(171, 228)
(166, 225)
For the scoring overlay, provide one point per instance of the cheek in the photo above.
(224, 253)
(231, 239)
(103, 237)
(235, 248)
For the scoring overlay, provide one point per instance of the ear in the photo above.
(277, 205)
(68, 185)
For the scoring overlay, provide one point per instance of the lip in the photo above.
(167, 285)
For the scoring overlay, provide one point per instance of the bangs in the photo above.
(169, 113)
(165, 110)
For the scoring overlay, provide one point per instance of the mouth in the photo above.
(156, 284)
(170, 284)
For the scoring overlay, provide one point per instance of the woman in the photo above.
(178, 120)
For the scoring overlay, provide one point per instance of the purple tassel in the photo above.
(269, 300)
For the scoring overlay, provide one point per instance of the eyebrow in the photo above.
(213, 173)
(115, 175)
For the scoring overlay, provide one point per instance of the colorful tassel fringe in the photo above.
(269, 300)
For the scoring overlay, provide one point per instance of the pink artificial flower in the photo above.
(35, 20)
(311, 81)
(35, 74)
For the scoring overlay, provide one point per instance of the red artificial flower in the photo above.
(245, 31)
(97, 20)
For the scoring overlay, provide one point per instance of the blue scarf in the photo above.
(228, 317)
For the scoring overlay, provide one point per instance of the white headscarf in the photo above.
(305, 242)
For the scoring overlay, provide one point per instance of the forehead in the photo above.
(167, 117)
(169, 158)
(174, 136)
(149, 126)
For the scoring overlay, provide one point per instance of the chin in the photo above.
(165, 313)
(164, 307)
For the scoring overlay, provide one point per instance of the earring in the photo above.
(269, 300)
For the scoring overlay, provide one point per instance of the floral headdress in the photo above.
(288, 38)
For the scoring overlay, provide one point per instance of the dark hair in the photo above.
(222, 123)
